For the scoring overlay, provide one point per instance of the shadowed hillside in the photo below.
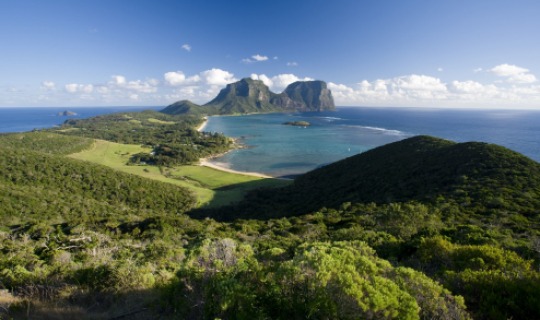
(474, 175)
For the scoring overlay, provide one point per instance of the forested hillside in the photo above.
(478, 177)
(419, 229)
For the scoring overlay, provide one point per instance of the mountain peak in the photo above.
(253, 96)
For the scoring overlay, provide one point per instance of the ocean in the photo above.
(18, 119)
(279, 150)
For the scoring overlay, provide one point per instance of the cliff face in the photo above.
(244, 96)
(306, 96)
(253, 96)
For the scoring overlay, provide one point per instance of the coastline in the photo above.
(201, 127)
(205, 162)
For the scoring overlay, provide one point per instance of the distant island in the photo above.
(66, 113)
(253, 96)
(297, 123)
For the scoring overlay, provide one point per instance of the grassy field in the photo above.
(211, 187)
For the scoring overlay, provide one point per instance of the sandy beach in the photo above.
(203, 125)
(206, 163)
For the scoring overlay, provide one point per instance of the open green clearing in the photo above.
(212, 187)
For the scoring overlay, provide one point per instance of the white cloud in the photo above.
(518, 88)
(256, 58)
(513, 73)
(508, 70)
(440, 69)
(292, 64)
(279, 82)
(178, 78)
(267, 81)
(217, 77)
(48, 85)
(101, 89)
(186, 47)
(522, 78)
(466, 86)
(404, 90)
(79, 88)
(422, 90)
(120, 82)
(174, 78)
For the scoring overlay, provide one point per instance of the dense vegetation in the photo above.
(173, 139)
(419, 229)
(476, 177)
(50, 143)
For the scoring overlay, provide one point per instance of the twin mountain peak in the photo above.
(253, 96)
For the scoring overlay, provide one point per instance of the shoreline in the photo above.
(205, 162)
(201, 127)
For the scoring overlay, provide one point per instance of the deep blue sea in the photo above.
(26, 119)
(280, 150)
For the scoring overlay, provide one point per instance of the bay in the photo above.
(278, 150)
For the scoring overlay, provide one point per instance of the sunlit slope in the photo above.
(49, 186)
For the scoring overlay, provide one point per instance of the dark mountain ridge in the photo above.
(253, 96)
(473, 175)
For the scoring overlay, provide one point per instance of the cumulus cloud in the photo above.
(513, 73)
(280, 81)
(519, 88)
(186, 47)
(428, 91)
(292, 64)
(178, 78)
(174, 78)
(79, 88)
(217, 77)
(264, 78)
(48, 85)
(256, 58)
(120, 82)
(466, 86)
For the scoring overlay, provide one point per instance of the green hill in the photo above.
(477, 176)
(186, 106)
(83, 241)
(37, 186)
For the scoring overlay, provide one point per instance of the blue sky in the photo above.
(372, 53)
